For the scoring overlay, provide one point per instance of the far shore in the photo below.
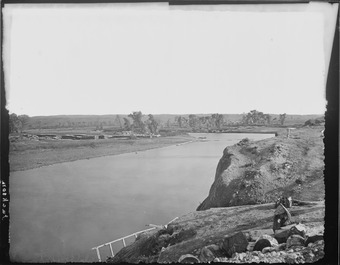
(28, 154)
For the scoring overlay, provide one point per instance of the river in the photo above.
(59, 212)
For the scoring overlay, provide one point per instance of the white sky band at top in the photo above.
(116, 58)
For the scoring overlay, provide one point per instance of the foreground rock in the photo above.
(221, 234)
(236, 243)
(259, 172)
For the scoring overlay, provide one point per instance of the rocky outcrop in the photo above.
(259, 172)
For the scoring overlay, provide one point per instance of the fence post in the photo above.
(98, 254)
(111, 250)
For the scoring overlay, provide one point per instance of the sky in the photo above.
(160, 59)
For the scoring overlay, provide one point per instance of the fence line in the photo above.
(123, 239)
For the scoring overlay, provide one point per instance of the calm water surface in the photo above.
(59, 212)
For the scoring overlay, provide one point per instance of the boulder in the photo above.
(295, 240)
(188, 258)
(213, 248)
(281, 236)
(261, 244)
(298, 229)
(206, 255)
(273, 241)
(236, 243)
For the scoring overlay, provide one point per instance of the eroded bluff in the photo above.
(259, 172)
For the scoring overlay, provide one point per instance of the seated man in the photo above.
(282, 217)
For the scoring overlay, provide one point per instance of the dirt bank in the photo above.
(259, 172)
(192, 232)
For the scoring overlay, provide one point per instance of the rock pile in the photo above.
(311, 253)
(298, 247)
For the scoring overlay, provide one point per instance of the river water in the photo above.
(59, 212)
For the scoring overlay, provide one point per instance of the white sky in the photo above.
(119, 58)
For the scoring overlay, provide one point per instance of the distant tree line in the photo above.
(200, 122)
(152, 125)
(140, 123)
(255, 117)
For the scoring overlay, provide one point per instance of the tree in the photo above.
(152, 124)
(282, 118)
(14, 123)
(24, 121)
(179, 121)
(137, 125)
(201, 122)
(217, 120)
(185, 122)
(255, 117)
(268, 118)
(193, 121)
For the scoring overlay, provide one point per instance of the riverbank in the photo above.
(29, 154)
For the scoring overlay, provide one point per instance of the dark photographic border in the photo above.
(331, 140)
